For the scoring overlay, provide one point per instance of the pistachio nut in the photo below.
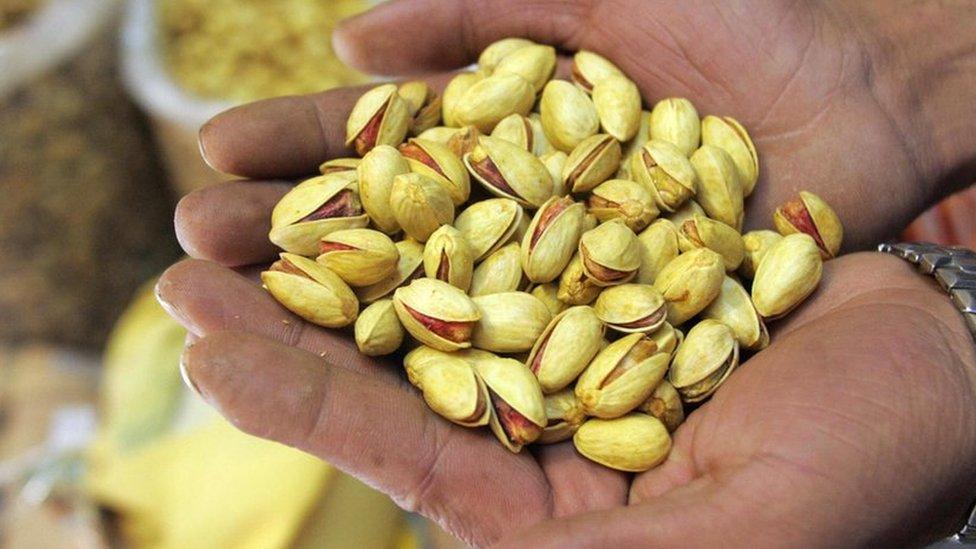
(508, 171)
(450, 386)
(564, 415)
(498, 50)
(719, 188)
(726, 133)
(590, 222)
(554, 162)
(568, 115)
(540, 144)
(423, 104)
(464, 141)
(810, 214)
(618, 105)
(437, 162)
(631, 308)
(436, 313)
(676, 121)
(379, 117)
(733, 307)
(575, 288)
(517, 130)
(378, 331)
(566, 347)
(489, 225)
(756, 244)
(420, 205)
(621, 376)
(453, 92)
(490, 100)
(685, 212)
(535, 63)
(788, 273)
(690, 282)
(439, 134)
(448, 257)
(548, 295)
(595, 159)
(704, 360)
(409, 267)
(339, 165)
(632, 147)
(518, 412)
(589, 68)
(665, 404)
(658, 245)
(313, 209)
(633, 443)
(359, 256)
(311, 291)
(666, 172)
(500, 272)
(610, 254)
(510, 322)
(376, 172)
(625, 200)
(703, 232)
(667, 338)
(551, 239)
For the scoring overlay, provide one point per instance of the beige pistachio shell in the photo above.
(379, 117)
(633, 443)
(378, 331)
(812, 215)
(704, 360)
(464, 141)
(658, 246)
(439, 134)
(726, 133)
(733, 307)
(489, 224)
(455, 89)
(551, 239)
(339, 165)
(310, 195)
(789, 272)
(517, 130)
(554, 162)
(685, 212)
(359, 256)
(568, 115)
(666, 172)
(500, 272)
(625, 200)
(621, 376)
(540, 144)
(719, 188)
(755, 245)
(676, 121)
(703, 232)
(450, 386)
(312, 210)
(564, 415)
(498, 50)
(667, 338)
(423, 104)
(665, 405)
(610, 254)
(589, 68)
(618, 105)
(436, 313)
(548, 294)
(633, 146)
(575, 288)
(311, 291)
(510, 322)
(490, 100)
(595, 159)
(409, 266)
(508, 171)
(448, 257)
(437, 162)
(566, 347)
(535, 63)
(420, 205)
(690, 282)
(518, 409)
(376, 172)
(631, 308)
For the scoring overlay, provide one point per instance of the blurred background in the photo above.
(100, 443)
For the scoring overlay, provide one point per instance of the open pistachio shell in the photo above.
(498, 50)
(595, 159)
(439, 134)
(618, 104)
(540, 144)
(589, 68)
(676, 121)
(450, 386)
(733, 307)
(379, 117)
(789, 272)
(726, 133)
(436, 313)
(555, 161)
(510, 322)
(378, 330)
(667, 338)
(448, 257)
(359, 256)
(621, 376)
(575, 288)
(666, 172)
(665, 404)
(535, 63)
(610, 254)
(453, 92)
(565, 348)
(489, 225)
(719, 188)
(423, 104)
(517, 130)
(551, 239)
(464, 141)
(755, 245)
(631, 308)
(313, 209)
(409, 266)
(490, 100)
(632, 147)
(564, 415)
(625, 200)
(508, 171)
(311, 291)
(420, 205)
(812, 215)
(704, 360)
(633, 443)
(518, 409)
(376, 172)
(690, 282)
(659, 245)
(500, 272)
(437, 162)
(548, 294)
(685, 212)
(339, 165)
(568, 115)
(703, 232)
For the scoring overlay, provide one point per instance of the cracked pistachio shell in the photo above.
(625, 200)
(685, 212)
(658, 245)
(575, 288)
(436, 313)
(378, 331)
(437, 162)
(376, 172)
(379, 117)
(464, 141)
(726, 133)
(704, 360)
(311, 291)
(439, 134)
(618, 104)
(535, 63)
(755, 245)
(488, 101)
(566, 347)
(448, 257)
(508, 171)
(667, 338)
(499, 272)
(733, 307)
(564, 415)
(455, 89)
(666, 172)
(621, 376)
(489, 224)
(719, 188)
(665, 405)
(359, 256)
(631, 308)
(423, 104)
(517, 130)
(568, 115)
(632, 147)
(676, 121)
(704, 232)
(420, 205)
(551, 239)
(633, 443)
(511, 322)
(788, 273)
(450, 386)
(540, 144)
(690, 282)
(313, 209)
(812, 215)
(409, 266)
(339, 165)
(498, 50)
(610, 254)
(594, 160)
(590, 68)
(518, 409)
(548, 294)
(554, 162)
(590, 222)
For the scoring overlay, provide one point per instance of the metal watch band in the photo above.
(955, 270)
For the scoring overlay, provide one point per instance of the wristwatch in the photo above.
(955, 270)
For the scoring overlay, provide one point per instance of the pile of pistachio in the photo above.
(594, 281)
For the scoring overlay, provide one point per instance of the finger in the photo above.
(578, 484)
(460, 477)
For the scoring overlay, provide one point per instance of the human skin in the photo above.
(857, 426)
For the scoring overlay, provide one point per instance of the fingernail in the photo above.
(340, 44)
(203, 148)
(185, 373)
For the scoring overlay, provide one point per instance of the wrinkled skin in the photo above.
(857, 426)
